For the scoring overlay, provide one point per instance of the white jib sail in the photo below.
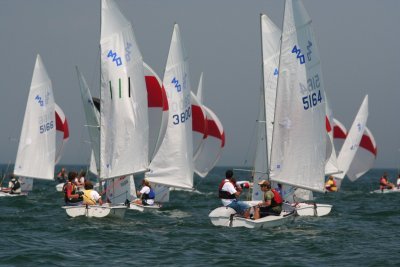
(37, 143)
(92, 116)
(173, 164)
(158, 109)
(211, 148)
(331, 165)
(353, 139)
(270, 40)
(365, 156)
(199, 124)
(299, 137)
(124, 113)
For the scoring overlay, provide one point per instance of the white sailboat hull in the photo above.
(384, 191)
(141, 208)
(5, 194)
(309, 209)
(59, 187)
(225, 216)
(96, 211)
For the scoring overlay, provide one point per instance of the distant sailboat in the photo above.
(213, 143)
(37, 145)
(353, 139)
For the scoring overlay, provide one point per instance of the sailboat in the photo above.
(124, 126)
(225, 216)
(207, 156)
(352, 141)
(172, 166)
(37, 144)
(301, 199)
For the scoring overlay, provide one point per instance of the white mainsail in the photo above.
(37, 144)
(352, 142)
(299, 137)
(124, 116)
(173, 164)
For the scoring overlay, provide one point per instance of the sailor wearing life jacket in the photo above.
(330, 185)
(90, 196)
(146, 194)
(272, 204)
(384, 182)
(14, 185)
(71, 196)
(228, 192)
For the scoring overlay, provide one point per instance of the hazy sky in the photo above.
(359, 44)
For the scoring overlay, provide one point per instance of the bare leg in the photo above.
(256, 213)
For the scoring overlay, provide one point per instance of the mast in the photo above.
(263, 95)
(277, 84)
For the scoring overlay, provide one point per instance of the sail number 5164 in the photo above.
(312, 100)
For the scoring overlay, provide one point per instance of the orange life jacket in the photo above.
(277, 198)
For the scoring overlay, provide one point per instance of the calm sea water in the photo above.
(362, 230)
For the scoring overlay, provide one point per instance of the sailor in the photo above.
(228, 192)
(146, 194)
(330, 185)
(14, 185)
(62, 176)
(91, 196)
(272, 204)
(71, 196)
(384, 183)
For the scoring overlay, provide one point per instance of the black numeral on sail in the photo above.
(183, 117)
(312, 100)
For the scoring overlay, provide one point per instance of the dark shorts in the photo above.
(265, 211)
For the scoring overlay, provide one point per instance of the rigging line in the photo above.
(95, 79)
(246, 158)
(5, 173)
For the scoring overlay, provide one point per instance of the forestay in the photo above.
(36, 150)
(173, 164)
(299, 137)
(124, 115)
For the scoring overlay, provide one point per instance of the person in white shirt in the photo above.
(228, 192)
(146, 194)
